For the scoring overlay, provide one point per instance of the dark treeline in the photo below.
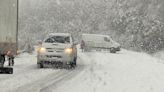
(135, 24)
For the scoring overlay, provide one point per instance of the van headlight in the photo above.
(42, 50)
(68, 50)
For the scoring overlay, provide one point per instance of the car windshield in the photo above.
(58, 39)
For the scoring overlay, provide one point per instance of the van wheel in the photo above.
(112, 50)
(69, 66)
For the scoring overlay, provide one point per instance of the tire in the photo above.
(68, 67)
(118, 49)
(112, 50)
(40, 65)
(75, 59)
(72, 64)
(10, 71)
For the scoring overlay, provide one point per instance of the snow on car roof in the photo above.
(59, 34)
(56, 34)
(93, 35)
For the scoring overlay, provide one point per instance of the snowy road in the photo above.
(125, 71)
(28, 78)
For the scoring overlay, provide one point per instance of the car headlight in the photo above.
(42, 50)
(68, 50)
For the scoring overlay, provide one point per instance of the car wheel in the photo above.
(40, 65)
(75, 59)
(112, 50)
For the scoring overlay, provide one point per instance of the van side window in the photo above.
(106, 39)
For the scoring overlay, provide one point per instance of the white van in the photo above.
(96, 41)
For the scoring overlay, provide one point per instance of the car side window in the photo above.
(49, 40)
(67, 39)
(106, 39)
(72, 38)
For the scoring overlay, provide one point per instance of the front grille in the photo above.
(55, 49)
(49, 48)
(58, 63)
(53, 56)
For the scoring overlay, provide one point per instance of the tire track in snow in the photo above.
(62, 79)
(47, 81)
(50, 80)
(83, 67)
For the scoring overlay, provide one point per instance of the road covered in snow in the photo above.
(125, 71)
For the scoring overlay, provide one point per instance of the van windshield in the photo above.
(58, 39)
(106, 39)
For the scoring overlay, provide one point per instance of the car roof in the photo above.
(95, 35)
(59, 34)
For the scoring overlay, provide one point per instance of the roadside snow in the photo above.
(125, 71)
(159, 55)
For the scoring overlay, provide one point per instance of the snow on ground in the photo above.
(25, 71)
(159, 54)
(125, 71)
(122, 72)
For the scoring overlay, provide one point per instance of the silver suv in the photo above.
(59, 50)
